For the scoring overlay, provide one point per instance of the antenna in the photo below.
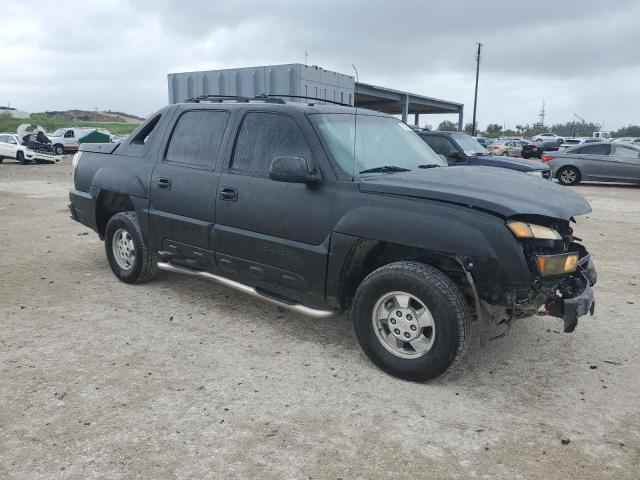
(306, 57)
(355, 127)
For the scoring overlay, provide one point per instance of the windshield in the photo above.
(469, 145)
(382, 143)
(58, 133)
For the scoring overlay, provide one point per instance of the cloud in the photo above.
(576, 55)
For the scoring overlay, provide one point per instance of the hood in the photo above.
(504, 192)
(513, 163)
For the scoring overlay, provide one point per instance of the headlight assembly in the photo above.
(535, 173)
(529, 230)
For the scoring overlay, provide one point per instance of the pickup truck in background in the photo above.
(323, 209)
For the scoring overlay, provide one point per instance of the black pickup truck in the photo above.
(323, 209)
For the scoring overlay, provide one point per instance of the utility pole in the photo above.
(475, 97)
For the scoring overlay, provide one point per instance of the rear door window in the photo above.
(440, 145)
(196, 138)
(264, 136)
(604, 149)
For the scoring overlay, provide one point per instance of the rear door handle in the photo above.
(164, 183)
(229, 194)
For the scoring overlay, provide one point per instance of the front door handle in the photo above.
(229, 194)
(163, 183)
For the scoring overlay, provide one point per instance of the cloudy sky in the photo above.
(578, 56)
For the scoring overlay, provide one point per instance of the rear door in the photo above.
(274, 233)
(593, 160)
(624, 164)
(183, 185)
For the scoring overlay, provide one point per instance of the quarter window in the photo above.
(197, 137)
(263, 137)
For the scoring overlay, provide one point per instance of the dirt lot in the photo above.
(180, 378)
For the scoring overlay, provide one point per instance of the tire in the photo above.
(568, 176)
(58, 149)
(143, 259)
(1, 159)
(443, 343)
(505, 153)
(20, 157)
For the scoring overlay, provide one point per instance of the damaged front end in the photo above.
(561, 270)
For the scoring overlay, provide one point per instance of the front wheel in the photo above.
(411, 320)
(505, 153)
(129, 255)
(20, 157)
(568, 176)
(58, 149)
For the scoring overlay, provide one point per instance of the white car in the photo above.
(632, 140)
(548, 137)
(10, 147)
(572, 142)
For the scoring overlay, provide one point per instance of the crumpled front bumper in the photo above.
(577, 298)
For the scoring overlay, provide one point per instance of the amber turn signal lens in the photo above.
(550, 265)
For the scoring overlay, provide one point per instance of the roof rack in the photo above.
(237, 98)
(268, 98)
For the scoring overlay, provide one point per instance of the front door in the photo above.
(269, 232)
(594, 160)
(183, 185)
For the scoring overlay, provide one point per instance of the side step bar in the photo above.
(294, 307)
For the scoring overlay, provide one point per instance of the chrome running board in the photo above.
(294, 307)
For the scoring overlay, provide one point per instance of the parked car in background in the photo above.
(485, 141)
(572, 142)
(548, 137)
(507, 148)
(602, 162)
(461, 149)
(11, 147)
(537, 149)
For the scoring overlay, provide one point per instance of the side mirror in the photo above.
(455, 156)
(293, 170)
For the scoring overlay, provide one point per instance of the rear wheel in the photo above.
(569, 176)
(505, 153)
(20, 158)
(129, 254)
(1, 159)
(411, 320)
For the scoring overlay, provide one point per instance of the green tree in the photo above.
(448, 126)
(494, 130)
(628, 131)
(468, 128)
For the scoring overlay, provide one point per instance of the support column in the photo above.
(405, 109)
(416, 119)
(460, 118)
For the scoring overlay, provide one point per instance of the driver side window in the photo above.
(264, 136)
(68, 134)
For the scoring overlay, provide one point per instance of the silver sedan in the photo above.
(601, 162)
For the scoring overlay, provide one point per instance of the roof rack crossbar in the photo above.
(269, 98)
(286, 95)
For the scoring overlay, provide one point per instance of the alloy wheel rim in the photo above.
(124, 251)
(403, 325)
(568, 176)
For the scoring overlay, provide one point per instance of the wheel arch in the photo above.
(108, 203)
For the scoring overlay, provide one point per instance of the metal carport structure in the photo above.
(396, 102)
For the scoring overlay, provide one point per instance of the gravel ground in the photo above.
(180, 378)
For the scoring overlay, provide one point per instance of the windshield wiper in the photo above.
(385, 169)
(429, 165)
